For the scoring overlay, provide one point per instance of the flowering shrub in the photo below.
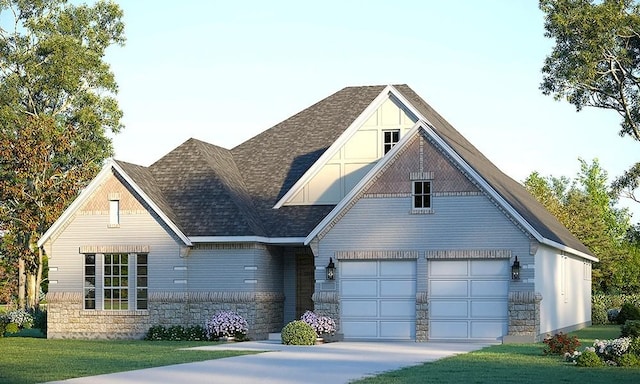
(20, 317)
(611, 350)
(321, 324)
(560, 344)
(227, 324)
(621, 352)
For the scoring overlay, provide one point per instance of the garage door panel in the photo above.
(360, 308)
(360, 288)
(487, 330)
(489, 288)
(448, 330)
(397, 308)
(359, 269)
(379, 302)
(397, 288)
(397, 329)
(489, 268)
(361, 329)
(488, 309)
(448, 268)
(448, 309)
(397, 268)
(448, 288)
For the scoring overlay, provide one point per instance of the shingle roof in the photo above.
(212, 191)
(511, 191)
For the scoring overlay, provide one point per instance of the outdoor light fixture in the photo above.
(331, 270)
(515, 270)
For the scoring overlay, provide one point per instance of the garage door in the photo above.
(468, 299)
(378, 299)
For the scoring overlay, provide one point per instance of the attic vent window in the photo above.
(114, 213)
(389, 139)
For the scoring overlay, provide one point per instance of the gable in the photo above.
(355, 155)
(111, 189)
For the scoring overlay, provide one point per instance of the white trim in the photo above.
(570, 250)
(92, 187)
(247, 239)
(355, 190)
(335, 147)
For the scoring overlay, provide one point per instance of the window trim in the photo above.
(86, 288)
(114, 213)
(428, 195)
(388, 145)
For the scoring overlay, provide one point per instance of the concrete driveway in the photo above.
(339, 362)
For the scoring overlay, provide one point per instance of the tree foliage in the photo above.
(586, 207)
(596, 62)
(56, 109)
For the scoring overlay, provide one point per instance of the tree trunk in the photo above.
(21, 284)
(38, 279)
(32, 291)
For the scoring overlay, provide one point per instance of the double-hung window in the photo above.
(421, 195)
(389, 139)
(116, 281)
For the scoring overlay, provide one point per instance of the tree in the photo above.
(596, 62)
(587, 209)
(56, 108)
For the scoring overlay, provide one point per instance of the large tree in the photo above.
(57, 107)
(585, 206)
(596, 62)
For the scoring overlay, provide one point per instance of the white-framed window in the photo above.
(116, 281)
(389, 139)
(421, 194)
(114, 213)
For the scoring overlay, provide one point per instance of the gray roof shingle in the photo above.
(211, 191)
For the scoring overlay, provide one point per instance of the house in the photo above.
(425, 233)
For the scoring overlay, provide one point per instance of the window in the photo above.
(114, 213)
(422, 194)
(90, 281)
(116, 281)
(141, 281)
(389, 139)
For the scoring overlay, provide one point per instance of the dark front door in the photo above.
(305, 281)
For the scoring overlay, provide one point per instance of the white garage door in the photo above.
(468, 299)
(378, 299)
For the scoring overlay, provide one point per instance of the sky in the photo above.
(224, 71)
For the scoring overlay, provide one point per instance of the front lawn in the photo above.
(35, 360)
(521, 363)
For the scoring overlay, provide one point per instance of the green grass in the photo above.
(520, 363)
(37, 360)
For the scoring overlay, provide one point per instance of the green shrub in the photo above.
(629, 360)
(298, 333)
(12, 328)
(589, 359)
(629, 311)
(560, 343)
(599, 312)
(631, 328)
(40, 320)
(634, 346)
(176, 333)
(3, 326)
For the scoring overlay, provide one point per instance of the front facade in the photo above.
(422, 228)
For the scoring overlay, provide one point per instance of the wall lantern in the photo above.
(515, 270)
(331, 270)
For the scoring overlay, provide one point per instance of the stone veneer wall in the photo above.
(328, 304)
(67, 319)
(422, 316)
(524, 317)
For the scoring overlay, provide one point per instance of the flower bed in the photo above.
(323, 325)
(227, 324)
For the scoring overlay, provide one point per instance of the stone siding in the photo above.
(422, 316)
(524, 317)
(328, 304)
(67, 319)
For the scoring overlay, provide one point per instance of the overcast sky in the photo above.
(223, 71)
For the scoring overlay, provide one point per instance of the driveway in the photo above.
(339, 362)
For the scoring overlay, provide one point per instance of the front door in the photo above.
(305, 281)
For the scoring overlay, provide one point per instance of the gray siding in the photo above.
(91, 230)
(458, 222)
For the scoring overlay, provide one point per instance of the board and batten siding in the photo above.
(565, 284)
(457, 222)
(236, 267)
